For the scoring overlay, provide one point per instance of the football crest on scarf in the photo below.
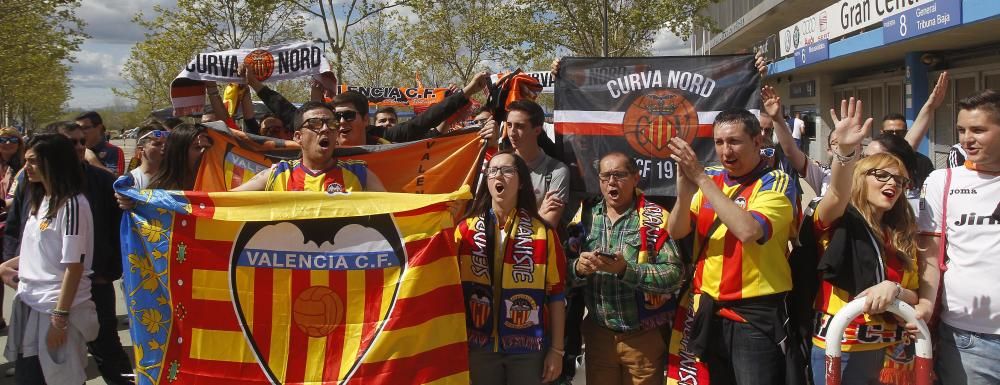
(522, 311)
(262, 63)
(652, 119)
(333, 277)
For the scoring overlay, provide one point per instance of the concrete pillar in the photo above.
(916, 92)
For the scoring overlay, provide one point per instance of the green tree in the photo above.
(176, 34)
(464, 36)
(632, 24)
(337, 27)
(377, 55)
(39, 39)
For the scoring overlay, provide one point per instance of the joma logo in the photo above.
(963, 191)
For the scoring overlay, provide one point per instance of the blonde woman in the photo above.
(865, 234)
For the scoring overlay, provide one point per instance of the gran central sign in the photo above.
(839, 19)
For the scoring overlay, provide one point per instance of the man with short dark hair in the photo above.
(111, 156)
(741, 215)
(629, 268)
(107, 349)
(895, 124)
(385, 119)
(317, 169)
(549, 176)
(960, 207)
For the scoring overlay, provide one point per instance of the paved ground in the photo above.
(93, 377)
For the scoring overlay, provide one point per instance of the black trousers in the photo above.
(107, 349)
(574, 338)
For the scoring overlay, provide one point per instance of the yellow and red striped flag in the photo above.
(294, 288)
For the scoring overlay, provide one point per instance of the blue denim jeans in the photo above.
(964, 357)
(855, 367)
(743, 355)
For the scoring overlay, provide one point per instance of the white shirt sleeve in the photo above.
(78, 226)
(931, 197)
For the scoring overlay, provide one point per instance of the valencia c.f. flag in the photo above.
(248, 288)
(635, 105)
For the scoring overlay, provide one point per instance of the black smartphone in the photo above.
(611, 257)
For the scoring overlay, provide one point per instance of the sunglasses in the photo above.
(767, 152)
(347, 116)
(884, 176)
(9, 140)
(316, 124)
(81, 141)
(155, 134)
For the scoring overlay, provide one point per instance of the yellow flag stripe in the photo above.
(390, 277)
(422, 279)
(210, 285)
(277, 206)
(244, 280)
(220, 345)
(355, 310)
(401, 343)
(419, 227)
(317, 346)
(281, 317)
(209, 230)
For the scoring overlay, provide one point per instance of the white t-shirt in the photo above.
(47, 245)
(973, 236)
(140, 178)
(798, 125)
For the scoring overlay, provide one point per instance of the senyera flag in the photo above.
(437, 165)
(273, 63)
(635, 105)
(251, 288)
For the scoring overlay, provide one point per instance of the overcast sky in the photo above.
(112, 35)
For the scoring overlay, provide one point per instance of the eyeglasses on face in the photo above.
(895, 132)
(507, 171)
(316, 124)
(884, 176)
(608, 175)
(9, 140)
(347, 116)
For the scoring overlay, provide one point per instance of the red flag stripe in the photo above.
(297, 339)
(374, 287)
(432, 364)
(335, 341)
(414, 311)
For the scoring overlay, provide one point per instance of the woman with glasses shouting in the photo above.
(513, 272)
(866, 239)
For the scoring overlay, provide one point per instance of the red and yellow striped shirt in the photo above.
(344, 176)
(728, 269)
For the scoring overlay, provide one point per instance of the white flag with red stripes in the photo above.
(635, 105)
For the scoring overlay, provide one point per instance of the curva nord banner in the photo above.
(273, 63)
(635, 105)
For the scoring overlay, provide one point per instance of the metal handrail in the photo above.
(835, 332)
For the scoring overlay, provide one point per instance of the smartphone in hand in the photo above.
(609, 257)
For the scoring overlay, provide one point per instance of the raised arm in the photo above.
(849, 130)
(772, 107)
(272, 99)
(926, 115)
(739, 221)
(218, 107)
(417, 128)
